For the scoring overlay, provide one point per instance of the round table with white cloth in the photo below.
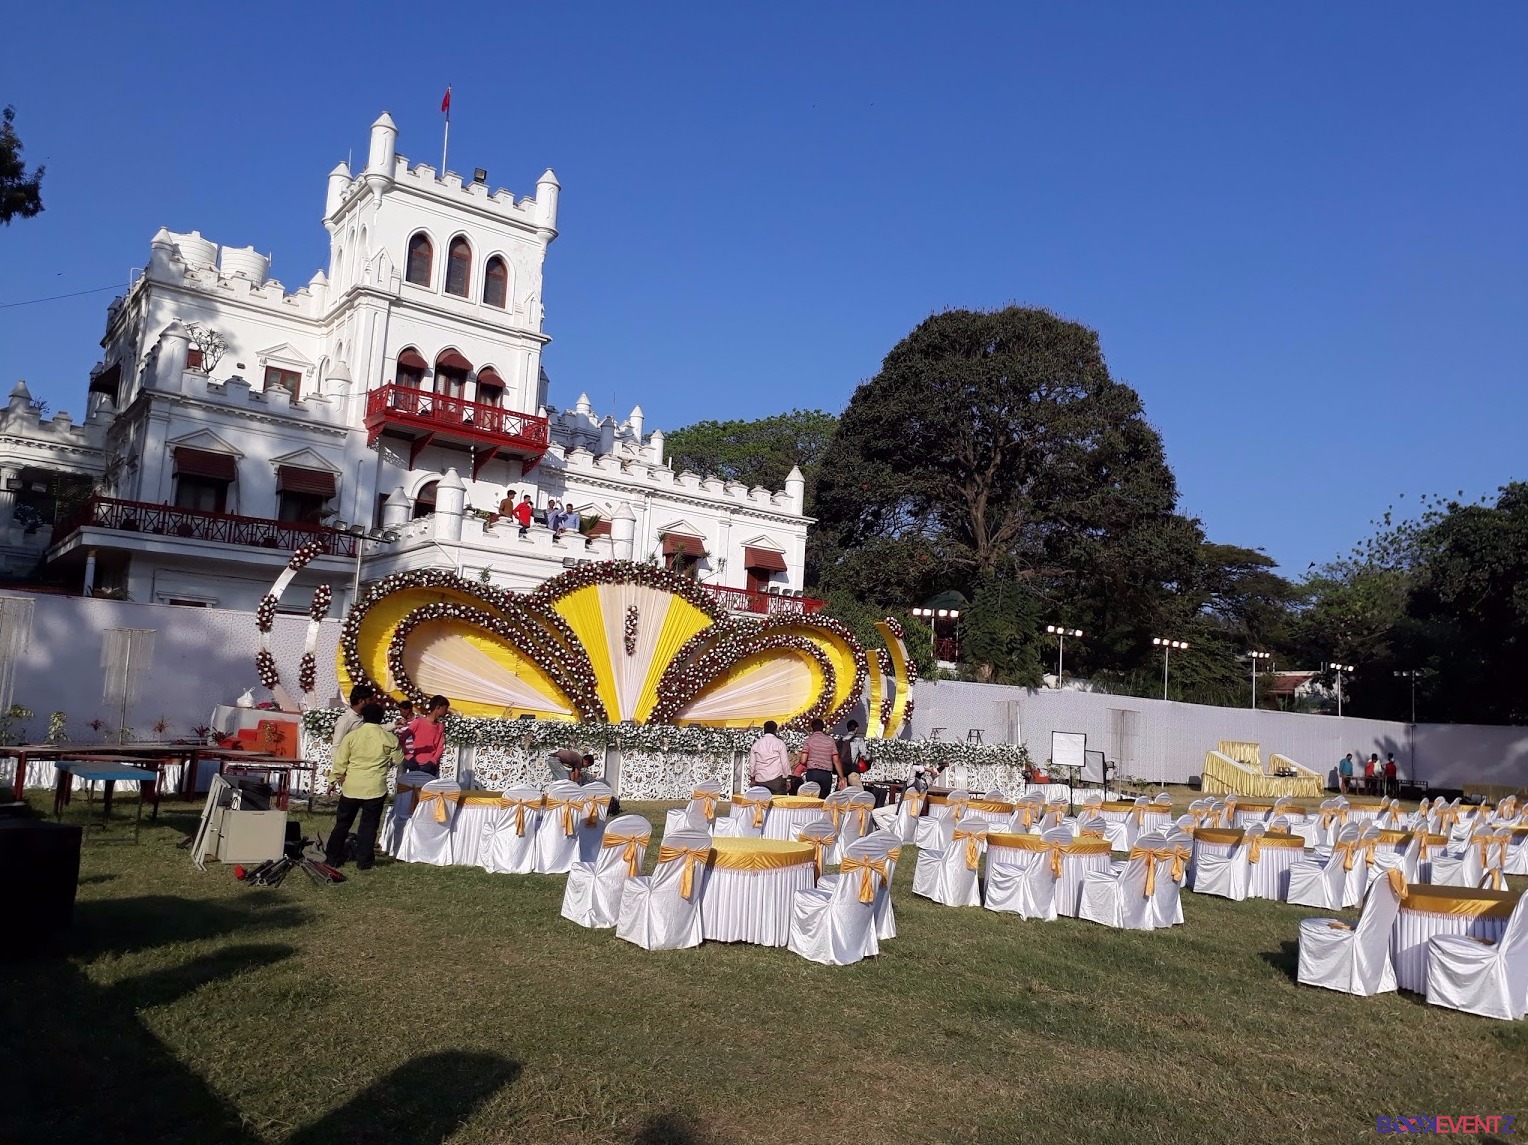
(749, 888)
(1152, 817)
(1075, 860)
(1268, 870)
(994, 812)
(789, 813)
(1430, 910)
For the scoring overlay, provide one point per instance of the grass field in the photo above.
(421, 1004)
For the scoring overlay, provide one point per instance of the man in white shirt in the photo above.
(769, 760)
(851, 750)
(351, 719)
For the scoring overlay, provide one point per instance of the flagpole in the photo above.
(445, 106)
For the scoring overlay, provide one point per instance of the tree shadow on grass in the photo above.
(1286, 959)
(81, 1065)
(670, 1128)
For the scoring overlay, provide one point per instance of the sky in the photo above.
(1297, 227)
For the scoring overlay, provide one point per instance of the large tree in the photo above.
(759, 452)
(20, 192)
(999, 439)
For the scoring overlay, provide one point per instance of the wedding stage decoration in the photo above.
(1236, 767)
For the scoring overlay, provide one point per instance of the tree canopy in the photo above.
(758, 452)
(20, 192)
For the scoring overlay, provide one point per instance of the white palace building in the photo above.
(385, 408)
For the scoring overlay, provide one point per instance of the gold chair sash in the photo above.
(839, 810)
(631, 854)
(1027, 815)
(1498, 880)
(867, 868)
(1347, 849)
(913, 800)
(709, 798)
(520, 805)
(1486, 842)
(440, 799)
(758, 807)
(569, 808)
(1367, 847)
(973, 841)
(1330, 815)
(1177, 855)
(819, 844)
(1254, 848)
(596, 804)
(691, 856)
(958, 807)
(1397, 883)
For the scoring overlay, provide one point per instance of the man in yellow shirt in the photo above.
(360, 767)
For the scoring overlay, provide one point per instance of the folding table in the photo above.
(110, 774)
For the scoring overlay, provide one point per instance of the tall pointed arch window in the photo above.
(495, 282)
(421, 259)
(459, 267)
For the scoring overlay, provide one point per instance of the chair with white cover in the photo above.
(909, 815)
(814, 790)
(1028, 814)
(1354, 959)
(820, 837)
(593, 895)
(593, 814)
(1185, 823)
(1367, 848)
(661, 911)
(410, 783)
(427, 836)
(1407, 861)
(849, 812)
(994, 795)
(948, 874)
(1163, 801)
(1226, 875)
(510, 845)
(1024, 883)
(1125, 899)
(932, 832)
(1167, 903)
(747, 815)
(834, 922)
(885, 918)
(953, 806)
(1321, 882)
(1517, 853)
(557, 831)
(1466, 868)
(703, 801)
(1479, 977)
(1279, 824)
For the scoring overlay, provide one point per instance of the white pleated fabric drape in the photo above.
(1414, 927)
(752, 906)
(786, 822)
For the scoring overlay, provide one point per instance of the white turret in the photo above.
(164, 261)
(655, 445)
(339, 183)
(21, 399)
(795, 488)
(396, 509)
(607, 435)
(450, 505)
(382, 157)
(623, 532)
(584, 406)
(547, 190)
(635, 421)
(170, 366)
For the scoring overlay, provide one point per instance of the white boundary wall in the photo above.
(202, 657)
(1166, 741)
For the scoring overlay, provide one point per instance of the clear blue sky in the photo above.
(1299, 228)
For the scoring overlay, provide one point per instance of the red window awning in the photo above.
(293, 479)
(201, 463)
(412, 360)
(678, 544)
(451, 360)
(766, 559)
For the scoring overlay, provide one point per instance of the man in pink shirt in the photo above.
(769, 760)
(820, 755)
(427, 737)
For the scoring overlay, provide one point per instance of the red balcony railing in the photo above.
(229, 528)
(428, 417)
(760, 603)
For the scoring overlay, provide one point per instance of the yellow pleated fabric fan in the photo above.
(778, 684)
(483, 674)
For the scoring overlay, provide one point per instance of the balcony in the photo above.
(751, 603)
(194, 524)
(427, 418)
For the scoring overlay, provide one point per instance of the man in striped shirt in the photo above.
(820, 755)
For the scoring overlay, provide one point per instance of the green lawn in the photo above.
(420, 1004)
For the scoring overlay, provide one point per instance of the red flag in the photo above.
(445, 102)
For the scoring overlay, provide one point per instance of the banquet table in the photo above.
(1253, 812)
(1154, 818)
(992, 811)
(1396, 842)
(1078, 857)
(749, 887)
(475, 810)
(1431, 910)
(789, 813)
(1268, 875)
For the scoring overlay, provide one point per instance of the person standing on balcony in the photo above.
(525, 512)
(554, 521)
(506, 509)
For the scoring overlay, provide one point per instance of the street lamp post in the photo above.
(1061, 633)
(1255, 657)
(1167, 647)
(1411, 674)
(362, 535)
(1340, 669)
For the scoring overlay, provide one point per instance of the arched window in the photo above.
(496, 282)
(459, 267)
(490, 387)
(421, 259)
(411, 368)
(424, 500)
(451, 370)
